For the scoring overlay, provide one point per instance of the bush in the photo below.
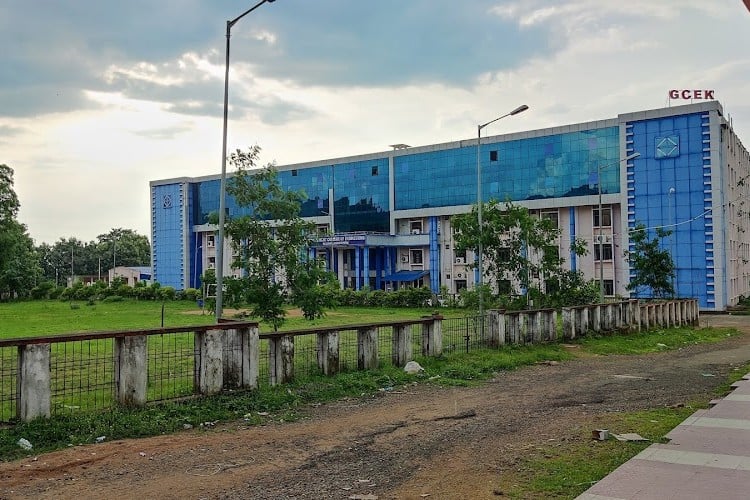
(167, 293)
(43, 290)
(113, 298)
(191, 294)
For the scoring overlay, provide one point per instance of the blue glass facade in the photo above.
(167, 234)
(671, 182)
(553, 166)
(401, 224)
(360, 195)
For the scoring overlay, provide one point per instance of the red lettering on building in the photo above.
(691, 94)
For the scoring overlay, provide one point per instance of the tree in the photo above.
(19, 268)
(123, 247)
(652, 266)
(314, 289)
(270, 242)
(515, 245)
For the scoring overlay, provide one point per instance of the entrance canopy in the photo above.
(406, 276)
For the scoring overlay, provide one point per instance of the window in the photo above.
(374, 170)
(503, 254)
(606, 248)
(609, 287)
(552, 217)
(294, 173)
(606, 217)
(503, 287)
(415, 227)
(493, 155)
(210, 240)
(416, 256)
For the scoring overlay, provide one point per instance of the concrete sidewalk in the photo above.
(708, 456)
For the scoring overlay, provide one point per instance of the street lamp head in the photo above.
(632, 156)
(519, 109)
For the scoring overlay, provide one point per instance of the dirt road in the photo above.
(413, 441)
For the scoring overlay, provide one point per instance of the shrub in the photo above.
(191, 294)
(167, 293)
(113, 298)
(42, 290)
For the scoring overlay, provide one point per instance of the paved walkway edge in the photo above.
(708, 456)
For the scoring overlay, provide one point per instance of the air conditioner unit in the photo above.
(404, 258)
(459, 275)
(210, 243)
(212, 266)
(416, 231)
(460, 260)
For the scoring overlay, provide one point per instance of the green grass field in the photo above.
(50, 317)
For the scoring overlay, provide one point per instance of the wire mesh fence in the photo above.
(8, 380)
(83, 368)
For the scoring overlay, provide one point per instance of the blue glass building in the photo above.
(390, 212)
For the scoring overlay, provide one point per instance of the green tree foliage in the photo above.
(515, 245)
(270, 243)
(314, 289)
(124, 247)
(653, 266)
(19, 267)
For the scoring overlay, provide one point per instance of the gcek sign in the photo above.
(691, 94)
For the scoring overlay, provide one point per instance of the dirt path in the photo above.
(414, 441)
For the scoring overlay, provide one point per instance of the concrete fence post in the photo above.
(367, 348)
(432, 336)
(210, 371)
(241, 358)
(131, 370)
(620, 312)
(568, 325)
(536, 330)
(328, 352)
(696, 313)
(493, 324)
(280, 359)
(502, 328)
(683, 313)
(402, 346)
(675, 313)
(598, 317)
(550, 325)
(582, 322)
(34, 394)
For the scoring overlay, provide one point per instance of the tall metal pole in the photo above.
(601, 239)
(480, 279)
(480, 269)
(223, 183)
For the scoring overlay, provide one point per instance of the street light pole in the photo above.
(223, 183)
(480, 269)
(601, 238)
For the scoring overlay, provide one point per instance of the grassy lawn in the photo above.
(652, 340)
(47, 317)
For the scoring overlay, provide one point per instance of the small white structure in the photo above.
(132, 275)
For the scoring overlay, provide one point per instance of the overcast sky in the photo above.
(97, 98)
